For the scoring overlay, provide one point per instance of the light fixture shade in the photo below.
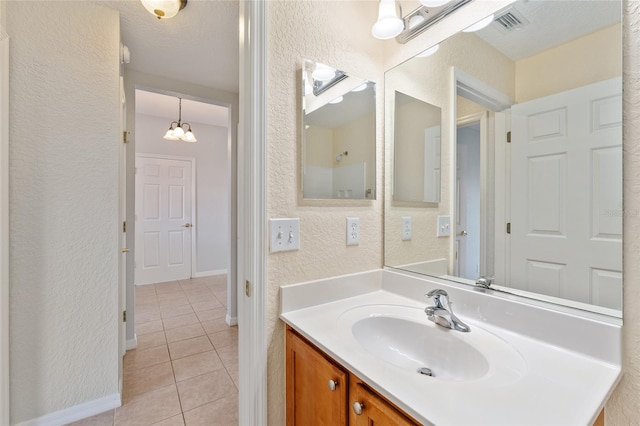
(479, 25)
(170, 136)
(337, 100)
(388, 24)
(178, 132)
(189, 137)
(164, 9)
(360, 88)
(434, 3)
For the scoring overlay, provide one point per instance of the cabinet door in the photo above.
(310, 399)
(374, 411)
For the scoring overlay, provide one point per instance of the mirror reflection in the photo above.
(531, 156)
(338, 134)
(416, 150)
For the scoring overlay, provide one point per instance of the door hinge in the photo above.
(509, 137)
(124, 316)
(124, 136)
(124, 227)
(247, 288)
(508, 227)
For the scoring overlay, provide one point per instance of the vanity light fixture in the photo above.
(404, 28)
(179, 130)
(323, 73)
(479, 25)
(164, 9)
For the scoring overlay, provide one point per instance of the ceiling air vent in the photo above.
(511, 20)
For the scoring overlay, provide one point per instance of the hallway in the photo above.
(185, 368)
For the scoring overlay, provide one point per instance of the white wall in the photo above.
(212, 184)
(64, 138)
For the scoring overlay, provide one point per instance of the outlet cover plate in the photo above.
(406, 228)
(353, 231)
(285, 234)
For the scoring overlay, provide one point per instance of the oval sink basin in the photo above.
(412, 345)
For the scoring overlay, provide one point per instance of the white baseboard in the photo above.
(132, 343)
(77, 412)
(231, 321)
(209, 273)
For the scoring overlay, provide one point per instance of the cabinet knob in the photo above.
(358, 408)
(333, 384)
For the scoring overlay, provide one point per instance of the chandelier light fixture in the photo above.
(164, 9)
(179, 130)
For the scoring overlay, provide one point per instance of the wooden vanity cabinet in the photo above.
(321, 392)
(310, 399)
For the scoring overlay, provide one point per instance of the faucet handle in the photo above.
(437, 294)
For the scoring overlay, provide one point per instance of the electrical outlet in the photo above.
(353, 231)
(406, 228)
(285, 234)
(444, 226)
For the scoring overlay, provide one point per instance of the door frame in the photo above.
(4, 228)
(192, 160)
(252, 221)
(477, 91)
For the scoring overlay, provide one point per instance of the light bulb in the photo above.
(388, 24)
(430, 51)
(323, 73)
(360, 88)
(178, 132)
(337, 100)
(189, 137)
(479, 25)
(434, 3)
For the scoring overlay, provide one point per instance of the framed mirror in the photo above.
(416, 150)
(338, 134)
(531, 151)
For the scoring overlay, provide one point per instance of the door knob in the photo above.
(187, 225)
(463, 233)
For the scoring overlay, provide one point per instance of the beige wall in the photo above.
(318, 146)
(577, 63)
(336, 33)
(64, 132)
(475, 57)
(358, 138)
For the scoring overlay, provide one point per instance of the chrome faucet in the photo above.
(442, 314)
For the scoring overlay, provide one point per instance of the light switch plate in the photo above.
(444, 226)
(406, 228)
(285, 234)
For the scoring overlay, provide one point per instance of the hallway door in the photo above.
(566, 198)
(163, 219)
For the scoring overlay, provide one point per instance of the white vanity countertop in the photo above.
(547, 385)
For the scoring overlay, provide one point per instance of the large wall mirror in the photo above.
(531, 155)
(338, 134)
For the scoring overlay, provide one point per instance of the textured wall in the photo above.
(64, 106)
(622, 408)
(212, 184)
(337, 34)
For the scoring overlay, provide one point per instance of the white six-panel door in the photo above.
(566, 197)
(163, 219)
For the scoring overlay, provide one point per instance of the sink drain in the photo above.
(426, 371)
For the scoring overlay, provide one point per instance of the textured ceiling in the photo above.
(199, 45)
(553, 22)
(164, 106)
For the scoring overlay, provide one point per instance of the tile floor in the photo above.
(185, 368)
